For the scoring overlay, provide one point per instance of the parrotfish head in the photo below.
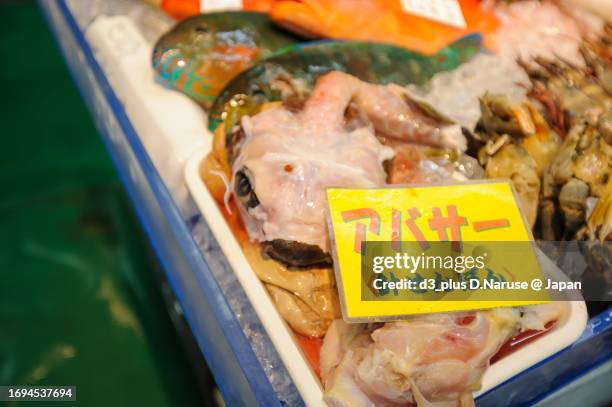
(181, 54)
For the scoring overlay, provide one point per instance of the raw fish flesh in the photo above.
(287, 159)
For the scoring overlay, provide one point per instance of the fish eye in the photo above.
(243, 185)
(201, 29)
(244, 189)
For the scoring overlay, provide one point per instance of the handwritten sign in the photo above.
(443, 11)
(438, 248)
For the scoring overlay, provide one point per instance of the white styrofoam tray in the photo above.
(562, 335)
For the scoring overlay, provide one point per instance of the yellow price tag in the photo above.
(433, 248)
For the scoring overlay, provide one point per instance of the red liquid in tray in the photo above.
(519, 341)
(311, 348)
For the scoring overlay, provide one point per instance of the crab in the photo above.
(567, 91)
(576, 179)
(515, 142)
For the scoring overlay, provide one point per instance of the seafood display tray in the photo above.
(558, 338)
(244, 376)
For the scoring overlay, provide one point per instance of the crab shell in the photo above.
(518, 145)
(579, 173)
